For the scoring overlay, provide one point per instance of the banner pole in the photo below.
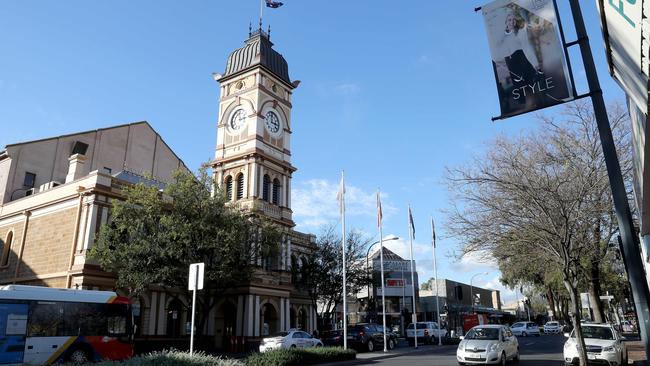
(636, 273)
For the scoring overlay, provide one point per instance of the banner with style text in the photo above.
(527, 55)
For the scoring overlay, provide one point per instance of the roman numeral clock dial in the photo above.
(272, 123)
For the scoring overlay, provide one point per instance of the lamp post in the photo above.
(368, 266)
(471, 288)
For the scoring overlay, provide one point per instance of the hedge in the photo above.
(173, 358)
(298, 357)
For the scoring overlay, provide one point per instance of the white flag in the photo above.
(340, 195)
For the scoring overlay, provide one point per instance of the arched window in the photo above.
(228, 185)
(240, 186)
(276, 192)
(6, 249)
(266, 187)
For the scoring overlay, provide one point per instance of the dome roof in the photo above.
(258, 50)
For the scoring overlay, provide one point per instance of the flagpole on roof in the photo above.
(435, 276)
(341, 198)
(411, 235)
(261, 12)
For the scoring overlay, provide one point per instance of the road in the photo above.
(535, 351)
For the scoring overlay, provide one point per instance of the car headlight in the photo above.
(609, 349)
(494, 347)
(461, 346)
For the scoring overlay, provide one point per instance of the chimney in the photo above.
(76, 167)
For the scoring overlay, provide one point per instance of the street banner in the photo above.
(527, 55)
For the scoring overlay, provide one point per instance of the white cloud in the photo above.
(314, 203)
(347, 88)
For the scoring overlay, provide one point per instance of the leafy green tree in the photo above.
(154, 236)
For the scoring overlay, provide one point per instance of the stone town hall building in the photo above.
(55, 194)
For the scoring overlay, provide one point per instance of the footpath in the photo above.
(401, 350)
(635, 353)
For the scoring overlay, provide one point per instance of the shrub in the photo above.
(173, 358)
(298, 357)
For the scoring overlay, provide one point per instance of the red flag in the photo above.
(379, 215)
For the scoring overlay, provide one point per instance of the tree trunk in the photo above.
(575, 318)
(594, 293)
(551, 301)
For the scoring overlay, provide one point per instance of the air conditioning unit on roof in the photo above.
(48, 185)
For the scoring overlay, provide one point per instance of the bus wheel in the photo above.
(78, 356)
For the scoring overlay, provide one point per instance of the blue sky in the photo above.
(392, 93)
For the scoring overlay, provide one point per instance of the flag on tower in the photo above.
(411, 222)
(340, 195)
(273, 4)
(379, 215)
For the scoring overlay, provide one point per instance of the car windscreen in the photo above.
(280, 334)
(597, 332)
(552, 324)
(483, 333)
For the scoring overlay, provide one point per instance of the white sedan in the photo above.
(552, 328)
(293, 338)
(603, 344)
(488, 344)
(524, 329)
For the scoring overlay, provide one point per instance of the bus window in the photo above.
(13, 326)
(117, 316)
(45, 319)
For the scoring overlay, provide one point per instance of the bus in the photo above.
(42, 325)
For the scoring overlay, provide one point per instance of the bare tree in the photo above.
(544, 194)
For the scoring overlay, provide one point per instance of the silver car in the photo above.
(491, 344)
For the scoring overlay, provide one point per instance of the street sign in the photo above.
(608, 297)
(196, 276)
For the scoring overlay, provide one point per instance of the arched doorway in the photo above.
(174, 310)
(225, 323)
(302, 319)
(292, 318)
(269, 322)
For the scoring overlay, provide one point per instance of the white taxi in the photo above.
(490, 344)
(602, 342)
(293, 338)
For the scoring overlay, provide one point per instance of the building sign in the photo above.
(391, 282)
(527, 55)
(623, 33)
(393, 266)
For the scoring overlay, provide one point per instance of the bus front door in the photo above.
(13, 328)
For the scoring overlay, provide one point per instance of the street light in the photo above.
(471, 288)
(388, 238)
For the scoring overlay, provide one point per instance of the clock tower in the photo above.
(252, 165)
(253, 158)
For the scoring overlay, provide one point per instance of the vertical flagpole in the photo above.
(261, 12)
(381, 262)
(435, 276)
(415, 315)
(343, 242)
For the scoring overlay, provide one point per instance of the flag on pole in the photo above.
(340, 195)
(433, 232)
(379, 215)
(411, 222)
(273, 4)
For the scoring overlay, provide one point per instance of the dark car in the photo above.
(369, 336)
(333, 338)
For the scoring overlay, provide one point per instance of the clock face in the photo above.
(272, 122)
(237, 120)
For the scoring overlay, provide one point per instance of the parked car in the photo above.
(293, 338)
(603, 343)
(427, 333)
(552, 328)
(488, 344)
(370, 336)
(333, 338)
(524, 329)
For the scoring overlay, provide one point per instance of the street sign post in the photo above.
(195, 283)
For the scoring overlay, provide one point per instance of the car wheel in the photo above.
(516, 358)
(318, 345)
(503, 359)
(391, 344)
(370, 346)
(538, 335)
(293, 346)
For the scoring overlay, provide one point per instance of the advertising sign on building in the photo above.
(527, 55)
(623, 33)
(391, 282)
